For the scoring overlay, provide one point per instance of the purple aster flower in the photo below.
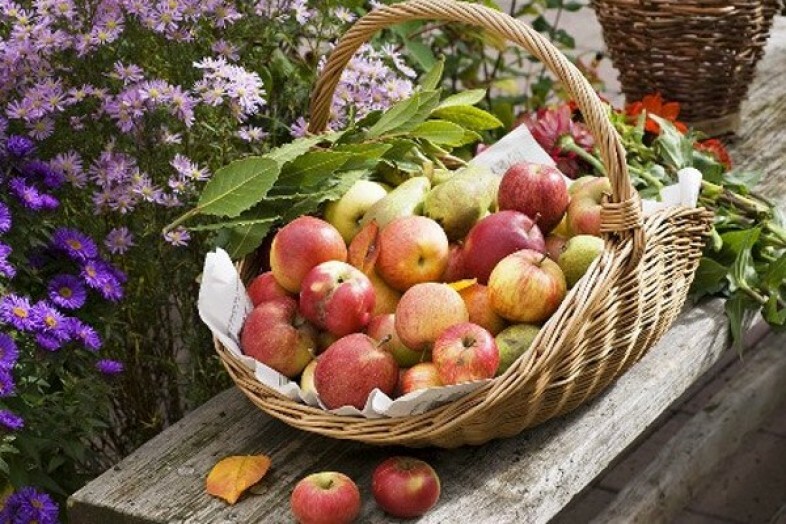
(11, 422)
(7, 384)
(41, 129)
(299, 128)
(95, 273)
(225, 49)
(6, 268)
(28, 505)
(49, 342)
(49, 202)
(5, 219)
(177, 237)
(19, 146)
(109, 367)
(28, 195)
(67, 291)
(76, 244)
(17, 312)
(252, 134)
(51, 177)
(9, 353)
(111, 290)
(85, 334)
(119, 240)
(51, 322)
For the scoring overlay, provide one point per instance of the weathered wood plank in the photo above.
(691, 457)
(529, 477)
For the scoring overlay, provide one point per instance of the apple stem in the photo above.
(543, 259)
(385, 340)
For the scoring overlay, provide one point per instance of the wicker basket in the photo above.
(700, 53)
(627, 300)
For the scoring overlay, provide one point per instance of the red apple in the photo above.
(351, 368)
(412, 250)
(299, 246)
(496, 237)
(265, 288)
(464, 353)
(537, 190)
(307, 378)
(527, 286)
(325, 498)
(584, 208)
(419, 376)
(386, 297)
(476, 298)
(337, 297)
(455, 269)
(382, 328)
(555, 245)
(277, 336)
(405, 487)
(425, 311)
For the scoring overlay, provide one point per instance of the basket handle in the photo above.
(621, 212)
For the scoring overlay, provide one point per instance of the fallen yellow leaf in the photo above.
(463, 284)
(233, 475)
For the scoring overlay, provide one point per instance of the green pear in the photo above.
(460, 202)
(513, 342)
(577, 256)
(405, 200)
(346, 212)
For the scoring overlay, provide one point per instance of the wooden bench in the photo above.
(529, 478)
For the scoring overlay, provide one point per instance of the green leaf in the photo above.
(775, 275)
(242, 240)
(433, 77)
(674, 148)
(294, 149)
(440, 132)
(396, 116)
(746, 179)
(238, 186)
(710, 278)
(465, 98)
(364, 156)
(743, 272)
(422, 53)
(469, 117)
(773, 313)
(333, 190)
(427, 102)
(231, 224)
(310, 169)
(738, 309)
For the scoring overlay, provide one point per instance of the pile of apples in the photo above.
(418, 287)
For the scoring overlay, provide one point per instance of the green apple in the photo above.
(513, 342)
(579, 253)
(346, 213)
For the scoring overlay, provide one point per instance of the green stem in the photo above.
(566, 143)
(646, 176)
(761, 299)
(179, 220)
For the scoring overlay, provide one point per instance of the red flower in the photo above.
(549, 125)
(654, 105)
(715, 147)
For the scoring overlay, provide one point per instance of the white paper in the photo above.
(223, 306)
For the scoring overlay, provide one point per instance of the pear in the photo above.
(513, 342)
(405, 200)
(458, 203)
(579, 253)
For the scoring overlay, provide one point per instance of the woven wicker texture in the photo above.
(700, 53)
(627, 300)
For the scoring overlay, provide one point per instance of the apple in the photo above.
(497, 236)
(455, 270)
(265, 288)
(425, 311)
(554, 246)
(351, 368)
(513, 342)
(328, 497)
(346, 213)
(419, 376)
(537, 190)
(405, 487)
(412, 250)
(277, 336)
(526, 286)
(578, 184)
(386, 297)
(382, 328)
(307, 378)
(579, 253)
(299, 246)
(585, 205)
(562, 228)
(476, 298)
(465, 352)
(337, 297)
